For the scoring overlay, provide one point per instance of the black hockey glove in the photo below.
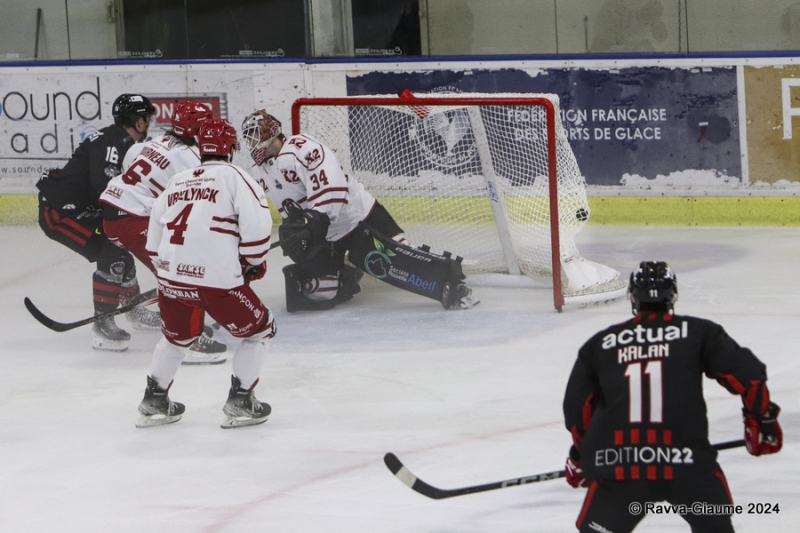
(763, 434)
(302, 233)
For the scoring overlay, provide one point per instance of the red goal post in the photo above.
(487, 177)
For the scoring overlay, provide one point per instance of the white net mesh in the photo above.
(470, 179)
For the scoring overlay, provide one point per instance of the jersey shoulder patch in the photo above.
(301, 150)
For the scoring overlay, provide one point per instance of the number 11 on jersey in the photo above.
(634, 374)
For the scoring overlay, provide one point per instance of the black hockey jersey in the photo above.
(634, 401)
(85, 176)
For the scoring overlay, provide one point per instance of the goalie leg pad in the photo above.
(296, 299)
(415, 270)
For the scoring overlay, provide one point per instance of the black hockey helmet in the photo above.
(128, 108)
(653, 287)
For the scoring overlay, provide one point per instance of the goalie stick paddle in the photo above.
(404, 474)
(145, 298)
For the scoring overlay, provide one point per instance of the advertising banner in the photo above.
(641, 127)
(44, 116)
(773, 122)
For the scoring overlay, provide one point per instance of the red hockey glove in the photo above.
(573, 469)
(763, 434)
(253, 272)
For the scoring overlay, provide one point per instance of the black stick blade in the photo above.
(404, 474)
(145, 298)
(43, 319)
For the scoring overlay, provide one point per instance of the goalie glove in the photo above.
(302, 234)
(573, 471)
(762, 433)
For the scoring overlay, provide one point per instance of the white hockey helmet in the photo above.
(259, 129)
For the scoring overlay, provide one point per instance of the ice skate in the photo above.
(466, 299)
(108, 336)
(242, 408)
(348, 280)
(461, 298)
(143, 318)
(156, 409)
(205, 350)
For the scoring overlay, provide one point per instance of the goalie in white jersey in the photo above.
(208, 236)
(128, 200)
(329, 215)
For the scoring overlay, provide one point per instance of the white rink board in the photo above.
(48, 111)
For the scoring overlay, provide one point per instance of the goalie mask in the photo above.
(653, 287)
(258, 131)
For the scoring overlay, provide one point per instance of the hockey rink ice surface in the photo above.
(462, 398)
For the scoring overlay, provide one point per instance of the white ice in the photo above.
(462, 398)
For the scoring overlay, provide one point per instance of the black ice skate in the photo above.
(461, 298)
(242, 408)
(465, 297)
(348, 283)
(108, 336)
(143, 318)
(156, 409)
(205, 350)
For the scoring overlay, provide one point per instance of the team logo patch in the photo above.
(192, 271)
(377, 262)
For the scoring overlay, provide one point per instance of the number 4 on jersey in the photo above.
(179, 225)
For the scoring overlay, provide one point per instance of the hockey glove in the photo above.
(295, 239)
(762, 433)
(255, 272)
(573, 470)
(302, 233)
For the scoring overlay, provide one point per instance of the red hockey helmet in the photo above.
(188, 117)
(217, 137)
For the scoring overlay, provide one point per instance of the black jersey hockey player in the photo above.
(70, 213)
(634, 406)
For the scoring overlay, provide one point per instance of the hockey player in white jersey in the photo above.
(328, 215)
(208, 237)
(128, 200)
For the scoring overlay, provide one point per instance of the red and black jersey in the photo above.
(634, 401)
(85, 176)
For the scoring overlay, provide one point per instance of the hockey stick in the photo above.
(404, 474)
(146, 298)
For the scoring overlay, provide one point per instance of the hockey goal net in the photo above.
(488, 177)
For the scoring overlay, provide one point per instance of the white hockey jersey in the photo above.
(206, 219)
(310, 174)
(146, 174)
